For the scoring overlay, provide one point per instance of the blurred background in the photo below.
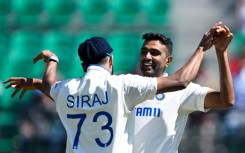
(27, 27)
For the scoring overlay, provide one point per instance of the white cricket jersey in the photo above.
(158, 125)
(94, 109)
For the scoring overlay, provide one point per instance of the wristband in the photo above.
(53, 58)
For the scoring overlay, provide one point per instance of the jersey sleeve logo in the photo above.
(160, 97)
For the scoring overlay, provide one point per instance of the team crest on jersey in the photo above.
(160, 97)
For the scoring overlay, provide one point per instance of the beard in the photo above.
(147, 71)
(151, 71)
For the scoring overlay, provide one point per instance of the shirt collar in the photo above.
(165, 74)
(98, 69)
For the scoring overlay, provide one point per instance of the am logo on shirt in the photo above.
(150, 111)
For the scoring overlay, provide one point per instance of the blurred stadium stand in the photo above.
(62, 43)
(23, 46)
(4, 13)
(157, 12)
(59, 12)
(126, 12)
(3, 50)
(126, 54)
(27, 12)
(8, 131)
(94, 12)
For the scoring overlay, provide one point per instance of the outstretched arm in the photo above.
(188, 72)
(226, 97)
(24, 84)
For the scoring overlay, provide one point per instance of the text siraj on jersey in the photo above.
(84, 101)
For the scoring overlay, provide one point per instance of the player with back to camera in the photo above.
(94, 109)
(159, 124)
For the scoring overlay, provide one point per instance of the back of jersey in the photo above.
(92, 111)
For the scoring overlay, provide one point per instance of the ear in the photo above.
(169, 60)
(111, 60)
(85, 67)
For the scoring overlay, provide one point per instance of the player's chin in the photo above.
(148, 73)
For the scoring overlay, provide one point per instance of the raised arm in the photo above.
(226, 96)
(180, 79)
(49, 77)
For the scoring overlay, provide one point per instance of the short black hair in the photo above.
(161, 37)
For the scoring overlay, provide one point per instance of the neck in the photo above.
(102, 66)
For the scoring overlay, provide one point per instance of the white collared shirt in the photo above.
(158, 124)
(94, 109)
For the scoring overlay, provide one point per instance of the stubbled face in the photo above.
(154, 58)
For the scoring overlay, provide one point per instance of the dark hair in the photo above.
(161, 37)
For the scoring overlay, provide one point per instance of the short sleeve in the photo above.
(55, 90)
(138, 89)
(193, 98)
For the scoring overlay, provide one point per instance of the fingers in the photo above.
(17, 83)
(17, 89)
(9, 80)
(226, 29)
(219, 35)
(38, 57)
(224, 32)
(218, 23)
(6, 81)
(10, 85)
(13, 82)
(22, 93)
(209, 34)
(231, 35)
(216, 26)
(215, 39)
(45, 54)
(228, 33)
(221, 30)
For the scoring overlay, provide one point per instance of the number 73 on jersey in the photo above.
(82, 117)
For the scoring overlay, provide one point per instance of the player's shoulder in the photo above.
(70, 81)
(129, 78)
(124, 76)
(193, 85)
(190, 88)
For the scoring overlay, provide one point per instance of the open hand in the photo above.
(20, 83)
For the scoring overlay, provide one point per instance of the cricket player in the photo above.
(159, 124)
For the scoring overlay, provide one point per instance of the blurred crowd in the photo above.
(39, 127)
(222, 130)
